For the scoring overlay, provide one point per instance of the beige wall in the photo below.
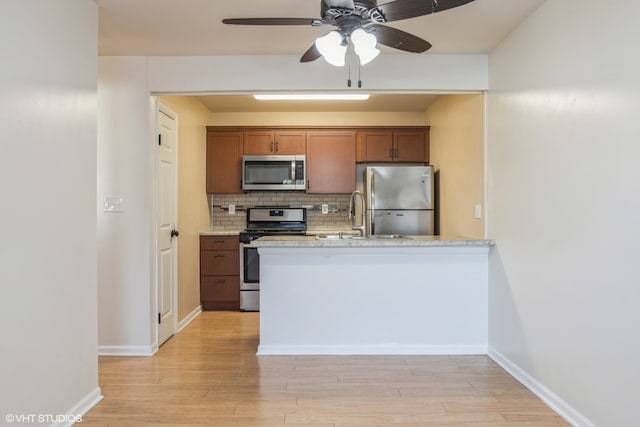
(457, 153)
(349, 118)
(193, 211)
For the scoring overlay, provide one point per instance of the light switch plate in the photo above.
(478, 212)
(114, 204)
(325, 208)
(232, 209)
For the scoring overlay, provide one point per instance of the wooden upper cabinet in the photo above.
(224, 162)
(275, 142)
(331, 161)
(393, 146)
(409, 146)
(375, 146)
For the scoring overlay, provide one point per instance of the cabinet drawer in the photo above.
(220, 288)
(219, 263)
(208, 243)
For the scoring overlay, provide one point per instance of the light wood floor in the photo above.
(209, 375)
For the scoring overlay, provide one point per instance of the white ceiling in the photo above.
(194, 27)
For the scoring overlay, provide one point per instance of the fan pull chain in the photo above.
(349, 74)
(359, 81)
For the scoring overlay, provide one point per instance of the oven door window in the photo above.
(251, 265)
(267, 172)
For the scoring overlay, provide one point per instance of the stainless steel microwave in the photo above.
(279, 172)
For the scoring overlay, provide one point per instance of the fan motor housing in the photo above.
(363, 9)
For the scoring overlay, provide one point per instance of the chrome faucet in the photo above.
(352, 216)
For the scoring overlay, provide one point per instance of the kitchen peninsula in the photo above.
(400, 295)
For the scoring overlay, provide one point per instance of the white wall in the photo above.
(125, 240)
(48, 186)
(396, 72)
(564, 197)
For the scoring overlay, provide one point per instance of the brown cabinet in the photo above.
(393, 146)
(219, 272)
(275, 142)
(331, 153)
(224, 162)
(331, 161)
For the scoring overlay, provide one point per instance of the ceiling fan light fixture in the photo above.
(364, 45)
(331, 47)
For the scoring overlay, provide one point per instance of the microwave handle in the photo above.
(293, 171)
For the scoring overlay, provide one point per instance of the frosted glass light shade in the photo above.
(365, 45)
(331, 48)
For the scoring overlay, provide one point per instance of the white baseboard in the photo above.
(74, 415)
(391, 349)
(142, 350)
(566, 411)
(127, 350)
(188, 318)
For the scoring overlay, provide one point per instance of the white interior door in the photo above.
(166, 221)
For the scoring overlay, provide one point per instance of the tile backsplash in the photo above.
(336, 219)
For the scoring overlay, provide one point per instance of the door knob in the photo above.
(174, 233)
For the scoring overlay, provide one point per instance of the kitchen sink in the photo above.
(339, 236)
(389, 236)
(343, 236)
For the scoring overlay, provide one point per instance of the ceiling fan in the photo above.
(360, 21)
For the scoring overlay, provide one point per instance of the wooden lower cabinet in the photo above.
(220, 272)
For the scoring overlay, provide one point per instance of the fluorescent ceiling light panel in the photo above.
(313, 97)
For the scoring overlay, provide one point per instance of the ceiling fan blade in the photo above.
(398, 39)
(345, 4)
(405, 9)
(272, 21)
(311, 54)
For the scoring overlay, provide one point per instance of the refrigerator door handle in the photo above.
(373, 190)
(372, 212)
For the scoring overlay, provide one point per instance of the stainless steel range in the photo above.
(264, 221)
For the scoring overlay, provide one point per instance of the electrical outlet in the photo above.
(232, 209)
(478, 214)
(325, 208)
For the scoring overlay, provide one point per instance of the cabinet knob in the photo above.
(218, 256)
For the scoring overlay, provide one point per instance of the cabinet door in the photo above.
(224, 162)
(331, 161)
(219, 243)
(376, 146)
(290, 142)
(409, 146)
(219, 263)
(259, 142)
(220, 288)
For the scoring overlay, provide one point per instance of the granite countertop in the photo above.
(310, 232)
(220, 232)
(334, 241)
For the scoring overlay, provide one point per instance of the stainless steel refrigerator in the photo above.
(399, 200)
